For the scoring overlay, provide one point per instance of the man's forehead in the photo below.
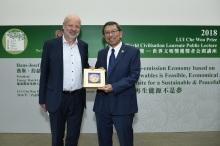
(110, 27)
(73, 22)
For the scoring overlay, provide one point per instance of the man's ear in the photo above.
(63, 25)
(121, 34)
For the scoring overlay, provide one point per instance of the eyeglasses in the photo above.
(113, 32)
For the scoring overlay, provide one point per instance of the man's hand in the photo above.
(91, 67)
(44, 107)
(102, 68)
(107, 88)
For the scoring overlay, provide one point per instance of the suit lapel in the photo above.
(106, 56)
(80, 47)
(59, 48)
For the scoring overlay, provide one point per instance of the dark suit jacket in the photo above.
(51, 78)
(125, 73)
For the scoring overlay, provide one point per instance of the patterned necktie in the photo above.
(111, 62)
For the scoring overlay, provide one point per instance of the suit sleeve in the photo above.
(44, 73)
(86, 65)
(98, 65)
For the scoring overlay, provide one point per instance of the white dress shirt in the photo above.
(72, 67)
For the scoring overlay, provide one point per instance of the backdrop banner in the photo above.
(178, 89)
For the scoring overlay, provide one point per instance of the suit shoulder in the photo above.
(103, 50)
(82, 42)
(131, 48)
(53, 40)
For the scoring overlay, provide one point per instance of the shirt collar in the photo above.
(64, 41)
(117, 48)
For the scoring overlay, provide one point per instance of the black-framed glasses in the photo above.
(113, 32)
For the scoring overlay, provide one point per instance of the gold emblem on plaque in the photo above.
(94, 78)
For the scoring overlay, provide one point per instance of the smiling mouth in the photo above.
(73, 32)
(111, 39)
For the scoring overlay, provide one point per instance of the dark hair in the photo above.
(111, 23)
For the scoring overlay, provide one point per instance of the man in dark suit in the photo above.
(116, 102)
(61, 92)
